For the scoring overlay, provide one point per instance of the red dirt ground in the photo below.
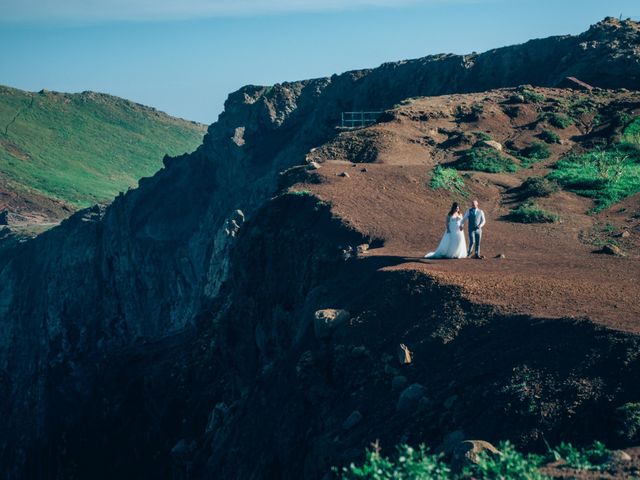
(549, 270)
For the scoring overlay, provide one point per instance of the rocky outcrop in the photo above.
(129, 323)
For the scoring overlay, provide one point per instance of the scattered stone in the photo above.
(389, 370)
(493, 144)
(183, 448)
(448, 403)
(352, 420)
(624, 234)
(451, 441)
(216, 417)
(360, 351)
(410, 398)
(398, 383)
(327, 320)
(500, 255)
(466, 452)
(612, 250)
(364, 170)
(618, 456)
(405, 357)
(313, 165)
(343, 174)
(363, 248)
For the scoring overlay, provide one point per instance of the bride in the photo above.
(453, 244)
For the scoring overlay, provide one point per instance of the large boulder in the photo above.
(468, 451)
(327, 320)
(411, 398)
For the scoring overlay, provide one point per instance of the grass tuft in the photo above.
(549, 136)
(485, 159)
(448, 179)
(606, 175)
(557, 120)
(529, 212)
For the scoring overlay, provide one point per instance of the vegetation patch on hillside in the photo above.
(529, 212)
(84, 148)
(537, 187)
(535, 152)
(485, 159)
(448, 179)
(606, 175)
(508, 463)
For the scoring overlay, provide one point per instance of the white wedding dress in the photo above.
(453, 243)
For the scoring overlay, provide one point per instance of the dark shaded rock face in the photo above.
(155, 339)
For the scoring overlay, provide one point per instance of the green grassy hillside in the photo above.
(83, 148)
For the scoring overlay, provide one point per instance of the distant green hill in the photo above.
(83, 148)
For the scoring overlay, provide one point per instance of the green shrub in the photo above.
(448, 179)
(471, 114)
(557, 120)
(485, 160)
(483, 136)
(536, 151)
(629, 419)
(607, 176)
(590, 458)
(631, 134)
(529, 95)
(538, 187)
(549, 136)
(529, 212)
(511, 465)
(407, 464)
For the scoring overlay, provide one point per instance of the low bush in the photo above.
(485, 159)
(538, 187)
(511, 465)
(448, 179)
(407, 464)
(629, 421)
(557, 120)
(631, 134)
(593, 457)
(482, 136)
(549, 136)
(530, 95)
(535, 152)
(529, 212)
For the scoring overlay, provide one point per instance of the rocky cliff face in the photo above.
(122, 328)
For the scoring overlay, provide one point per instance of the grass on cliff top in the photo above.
(608, 175)
(84, 148)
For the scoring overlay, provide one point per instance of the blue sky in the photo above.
(185, 56)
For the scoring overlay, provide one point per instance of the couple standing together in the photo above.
(453, 244)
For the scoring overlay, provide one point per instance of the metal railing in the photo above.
(362, 119)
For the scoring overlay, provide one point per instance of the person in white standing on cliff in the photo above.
(453, 244)
(477, 220)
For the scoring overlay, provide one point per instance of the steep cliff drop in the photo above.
(167, 336)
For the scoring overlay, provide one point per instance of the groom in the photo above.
(476, 219)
